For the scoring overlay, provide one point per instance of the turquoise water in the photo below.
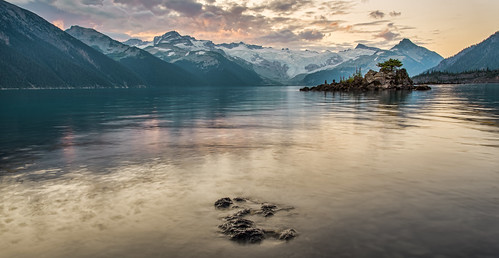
(135, 173)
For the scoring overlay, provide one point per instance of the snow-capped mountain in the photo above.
(138, 43)
(289, 66)
(416, 59)
(201, 57)
(484, 55)
(152, 70)
(284, 65)
(103, 43)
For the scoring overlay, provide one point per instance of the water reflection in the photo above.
(135, 174)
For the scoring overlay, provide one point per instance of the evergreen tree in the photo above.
(390, 65)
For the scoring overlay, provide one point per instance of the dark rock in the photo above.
(231, 226)
(267, 206)
(239, 214)
(268, 210)
(252, 235)
(422, 87)
(288, 234)
(305, 89)
(242, 230)
(223, 203)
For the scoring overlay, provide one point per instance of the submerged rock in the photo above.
(233, 225)
(244, 230)
(223, 203)
(422, 87)
(288, 234)
(252, 235)
(268, 210)
(239, 214)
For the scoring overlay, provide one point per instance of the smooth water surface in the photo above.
(135, 173)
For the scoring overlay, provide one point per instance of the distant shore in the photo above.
(486, 76)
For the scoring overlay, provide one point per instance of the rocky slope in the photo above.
(36, 54)
(152, 70)
(202, 58)
(482, 56)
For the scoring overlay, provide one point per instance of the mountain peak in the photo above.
(362, 46)
(79, 29)
(405, 43)
(234, 45)
(172, 34)
(173, 37)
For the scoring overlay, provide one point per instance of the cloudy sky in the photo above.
(445, 26)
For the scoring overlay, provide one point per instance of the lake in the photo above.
(135, 172)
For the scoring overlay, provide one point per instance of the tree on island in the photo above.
(390, 65)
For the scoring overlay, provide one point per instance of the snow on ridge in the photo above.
(296, 61)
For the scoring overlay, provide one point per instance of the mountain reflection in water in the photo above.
(134, 173)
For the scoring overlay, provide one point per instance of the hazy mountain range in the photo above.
(287, 66)
(35, 53)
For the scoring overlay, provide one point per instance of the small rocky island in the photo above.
(390, 77)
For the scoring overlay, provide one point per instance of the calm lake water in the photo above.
(135, 173)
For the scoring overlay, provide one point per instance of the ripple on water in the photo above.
(388, 174)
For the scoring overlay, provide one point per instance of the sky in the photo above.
(444, 26)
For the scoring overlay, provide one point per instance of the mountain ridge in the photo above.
(295, 66)
(36, 54)
(152, 70)
(481, 56)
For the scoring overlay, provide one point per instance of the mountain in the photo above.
(201, 57)
(36, 54)
(416, 59)
(152, 70)
(286, 66)
(362, 46)
(482, 56)
(283, 65)
(137, 43)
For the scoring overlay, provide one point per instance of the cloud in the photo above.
(92, 2)
(288, 23)
(336, 7)
(282, 6)
(190, 8)
(394, 14)
(377, 14)
(281, 36)
(387, 35)
(311, 35)
(186, 7)
(374, 23)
